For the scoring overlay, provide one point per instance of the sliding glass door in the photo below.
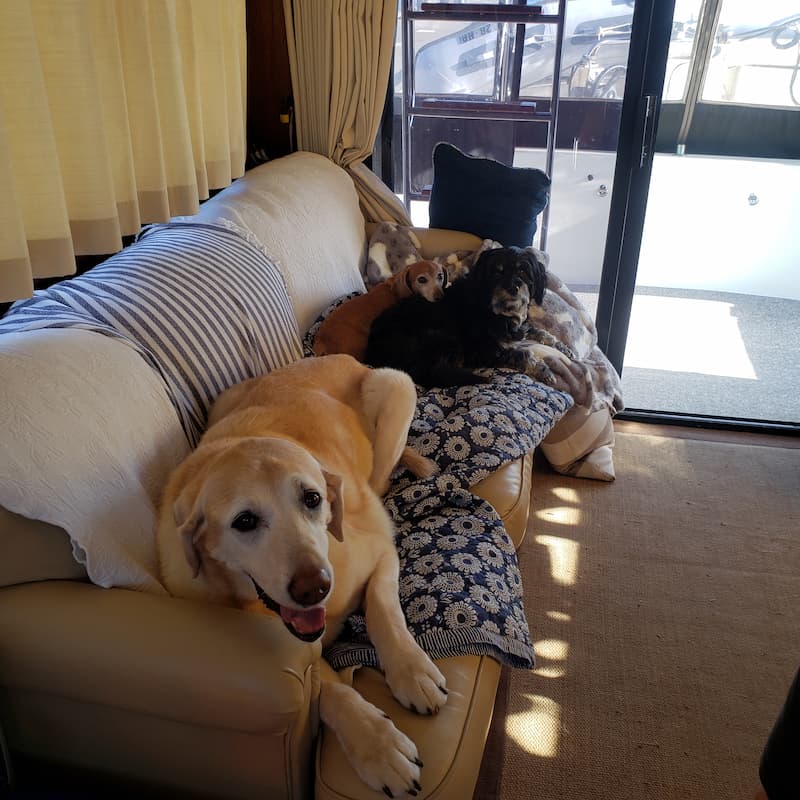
(700, 298)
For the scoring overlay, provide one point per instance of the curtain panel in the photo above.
(113, 114)
(340, 56)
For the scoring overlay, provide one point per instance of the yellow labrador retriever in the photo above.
(279, 507)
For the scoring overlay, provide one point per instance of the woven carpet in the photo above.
(665, 608)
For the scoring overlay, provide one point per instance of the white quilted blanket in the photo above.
(68, 463)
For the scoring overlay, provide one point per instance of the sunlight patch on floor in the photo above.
(551, 649)
(560, 515)
(550, 671)
(566, 494)
(679, 335)
(536, 730)
(563, 558)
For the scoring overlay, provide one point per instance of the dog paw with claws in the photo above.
(416, 683)
(545, 337)
(384, 757)
(539, 371)
(566, 350)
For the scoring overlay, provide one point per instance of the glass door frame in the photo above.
(641, 107)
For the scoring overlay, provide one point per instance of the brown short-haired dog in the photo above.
(346, 329)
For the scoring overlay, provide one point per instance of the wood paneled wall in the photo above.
(268, 77)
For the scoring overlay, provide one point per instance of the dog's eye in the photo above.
(245, 521)
(422, 279)
(311, 499)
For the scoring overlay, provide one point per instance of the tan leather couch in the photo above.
(205, 700)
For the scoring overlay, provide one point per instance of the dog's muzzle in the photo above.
(513, 304)
(308, 625)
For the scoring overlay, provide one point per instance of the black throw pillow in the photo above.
(486, 198)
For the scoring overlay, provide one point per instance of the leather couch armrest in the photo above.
(438, 241)
(35, 551)
(193, 663)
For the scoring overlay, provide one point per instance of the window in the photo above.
(756, 55)
(481, 76)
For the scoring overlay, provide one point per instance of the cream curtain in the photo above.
(340, 54)
(112, 114)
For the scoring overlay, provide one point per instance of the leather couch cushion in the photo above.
(437, 241)
(450, 744)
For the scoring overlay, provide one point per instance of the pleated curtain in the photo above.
(340, 55)
(112, 115)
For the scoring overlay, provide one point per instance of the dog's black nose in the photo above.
(310, 586)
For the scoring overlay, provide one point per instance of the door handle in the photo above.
(649, 102)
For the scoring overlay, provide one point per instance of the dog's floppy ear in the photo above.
(187, 512)
(538, 274)
(335, 485)
(540, 255)
(445, 280)
(409, 282)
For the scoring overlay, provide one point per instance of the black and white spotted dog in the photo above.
(482, 321)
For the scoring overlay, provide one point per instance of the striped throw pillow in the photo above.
(205, 308)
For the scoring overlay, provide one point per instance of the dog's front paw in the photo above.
(537, 334)
(382, 756)
(566, 350)
(572, 377)
(539, 371)
(416, 683)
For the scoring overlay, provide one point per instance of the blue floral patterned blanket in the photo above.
(460, 585)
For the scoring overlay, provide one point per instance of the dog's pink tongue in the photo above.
(304, 621)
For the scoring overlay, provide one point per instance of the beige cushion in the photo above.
(438, 241)
(451, 743)
(508, 490)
